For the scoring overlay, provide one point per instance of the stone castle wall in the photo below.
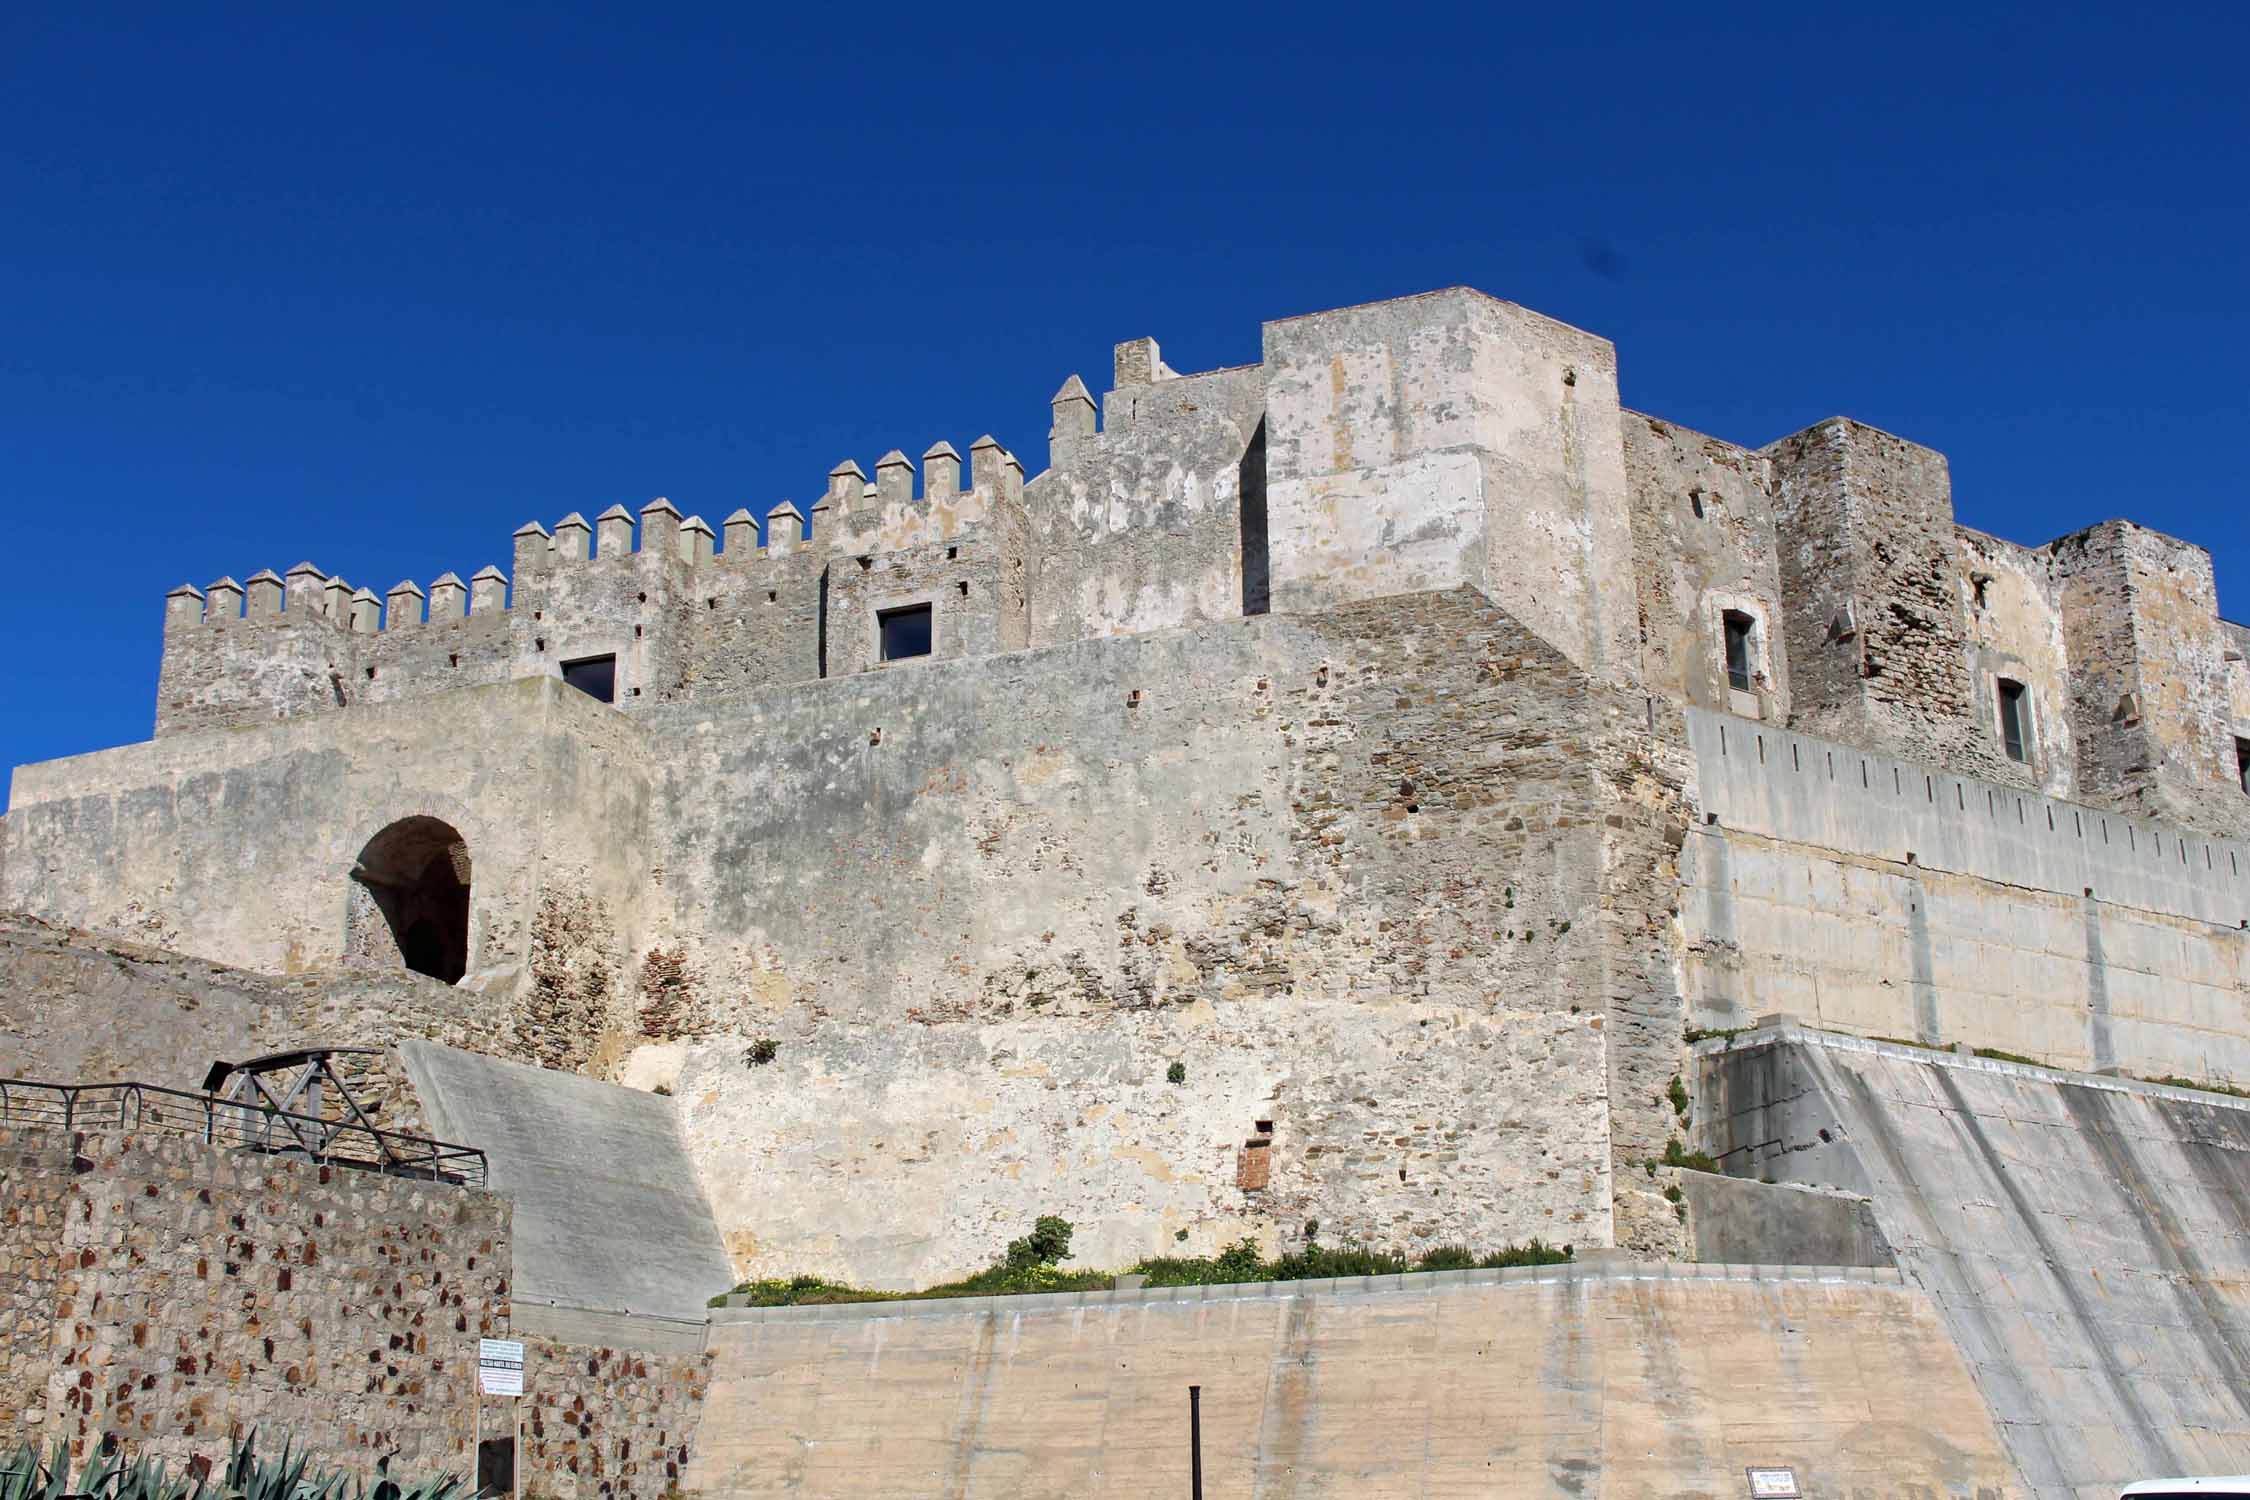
(1421, 954)
(173, 1297)
(981, 920)
(197, 1293)
(1395, 447)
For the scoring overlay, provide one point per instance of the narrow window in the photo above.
(2242, 763)
(905, 632)
(1740, 627)
(2015, 719)
(595, 676)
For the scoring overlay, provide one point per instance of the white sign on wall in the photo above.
(1774, 1484)
(500, 1368)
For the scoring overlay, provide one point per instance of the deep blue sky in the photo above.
(375, 288)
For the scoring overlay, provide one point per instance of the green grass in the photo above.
(2173, 1081)
(2015, 1057)
(1239, 1262)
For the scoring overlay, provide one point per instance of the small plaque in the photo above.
(500, 1368)
(1774, 1484)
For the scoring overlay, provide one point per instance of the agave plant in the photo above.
(26, 1475)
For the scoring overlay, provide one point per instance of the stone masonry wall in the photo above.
(199, 1293)
(175, 1297)
(1140, 526)
(607, 1424)
(1703, 544)
(1348, 869)
(1876, 624)
(35, 1189)
(2151, 690)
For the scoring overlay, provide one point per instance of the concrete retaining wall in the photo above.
(1871, 895)
(608, 1213)
(1655, 1380)
(2084, 1239)
(1765, 780)
(1736, 1221)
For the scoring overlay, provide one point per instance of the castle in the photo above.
(1339, 790)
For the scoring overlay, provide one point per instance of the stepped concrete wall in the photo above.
(608, 1212)
(1662, 1380)
(1875, 895)
(2083, 1238)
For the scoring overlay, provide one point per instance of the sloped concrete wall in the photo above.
(2087, 1241)
(608, 1214)
(1571, 1381)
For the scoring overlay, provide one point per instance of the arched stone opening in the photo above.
(410, 899)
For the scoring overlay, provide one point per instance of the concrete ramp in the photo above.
(2086, 1240)
(608, 1212)
(1624, 1382)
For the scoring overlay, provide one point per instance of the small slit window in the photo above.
(1741, 632)
(2242, 763)
(905, 632)
(595, 676)
(2015, 719)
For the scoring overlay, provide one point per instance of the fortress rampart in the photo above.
(1338, 796)
(1819, 582)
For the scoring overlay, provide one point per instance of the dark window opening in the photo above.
(2015, 719)
(905, 632)
(412, 901)
(595, 676)
(2242, 763)
(496, 1466)
(1257, 556)
(1740, 628)
(1695, 502)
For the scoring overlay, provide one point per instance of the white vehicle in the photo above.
(2237, 1487)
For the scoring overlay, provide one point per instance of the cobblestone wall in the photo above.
(199, 1293)
(174, 1297)
(35, 1181)
(608, 1424)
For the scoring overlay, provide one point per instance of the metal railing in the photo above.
(238, 1126)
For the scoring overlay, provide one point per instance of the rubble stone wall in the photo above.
(172, 1297)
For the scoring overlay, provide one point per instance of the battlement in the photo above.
(1451, 438)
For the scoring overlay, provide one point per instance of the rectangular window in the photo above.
(905, 632)
(2015, 719)
(595, 676)
(1740, 629)
(2242, 763)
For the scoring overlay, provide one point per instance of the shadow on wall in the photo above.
(410, 899)
(1257, 570)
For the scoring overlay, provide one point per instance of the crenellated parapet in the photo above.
(679, 608)
(1428, 443)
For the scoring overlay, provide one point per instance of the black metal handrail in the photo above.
(239, 1126)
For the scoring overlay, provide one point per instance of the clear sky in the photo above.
(373, 285)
